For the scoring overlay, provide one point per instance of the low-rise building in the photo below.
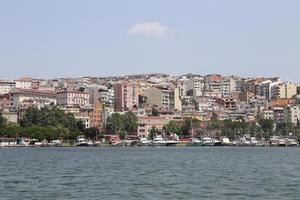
(6, 86)
(268, 114)
(34, 97)
(145, 123)
(72, 98)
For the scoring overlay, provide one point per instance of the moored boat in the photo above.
(207, 141)
(81, 141)
(194, 142)
(144, 142)
(225, 141)
(158, 141)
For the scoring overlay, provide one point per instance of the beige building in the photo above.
(6, 86)
(72, 98)
(284, 91)
(21, 97)
(163, 98)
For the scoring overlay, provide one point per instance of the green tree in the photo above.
(130, 122)
(189, 124)
(127, 122)
(2, 121)
(122, 134)
(92, 133)
(172, 127)
(266, 125)
(114, 123)
(153, 132)
(11, 130)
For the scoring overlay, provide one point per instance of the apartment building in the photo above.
(163, 98)
(6, 86)
(72, 98)
(284, 91)
(126, 96)
(19, 97)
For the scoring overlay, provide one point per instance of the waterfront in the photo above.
(150, 173)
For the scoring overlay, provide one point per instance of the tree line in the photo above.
(44, 123)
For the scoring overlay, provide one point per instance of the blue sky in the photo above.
(54, 38)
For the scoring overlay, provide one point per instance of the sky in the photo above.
(62, 38)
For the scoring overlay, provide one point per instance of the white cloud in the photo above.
(151, 29)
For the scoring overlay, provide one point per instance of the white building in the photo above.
(268, 114)
(24, 83)
(293, 113)
(33, 97)
(72, 98)
(6, 86)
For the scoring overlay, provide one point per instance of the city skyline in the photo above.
(97, 38)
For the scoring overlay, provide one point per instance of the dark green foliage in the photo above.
(267, 126)
(44, 123)
(122, 135)
(126, 122)
(50, 117)
(92, 133)
(2, 121)
(172, 127)
(153, 132)
(189, 124)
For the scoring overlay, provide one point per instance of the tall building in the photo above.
(217, 83)
(126, 96)
(293, 113)
(96, 115)
(163, 98)
(284, 91)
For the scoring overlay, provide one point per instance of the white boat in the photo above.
(55, 143)
(159, 141)
(225, 141)
(281, 142)
(171, 142)
(144, 142)
(291, 142)
(81, 141)
(274, 141)
(194, 142)
(207, 141)
(245, 142)
(216, 142)
(253, 141)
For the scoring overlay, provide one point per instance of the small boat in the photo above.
(194, 142)
(281, 142)
(144, 142)
(253, 141)
(291, 143)
(216, 142)
(245, 142)
(225, 141)
(45, 143)
(274, 141)
(55, 143)
(81, 141)
(171, 142)
(207, 141)
(159, 141)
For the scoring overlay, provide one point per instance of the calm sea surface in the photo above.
(150, 173)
